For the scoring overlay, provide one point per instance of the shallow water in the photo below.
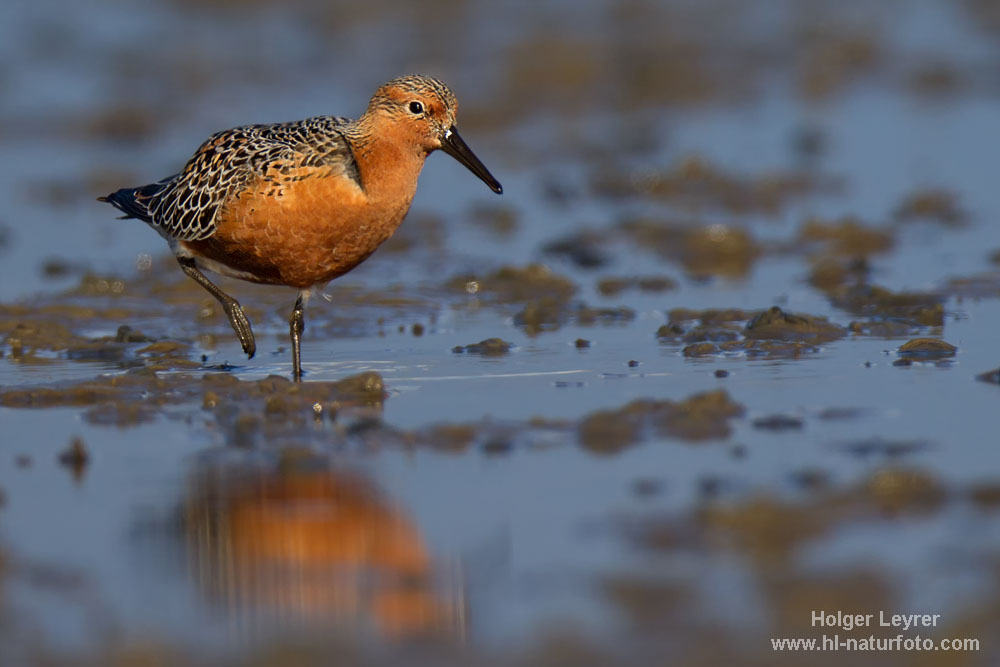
(527, 506)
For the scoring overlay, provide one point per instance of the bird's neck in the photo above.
(388, 161)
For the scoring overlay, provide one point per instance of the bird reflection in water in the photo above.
(315, 547)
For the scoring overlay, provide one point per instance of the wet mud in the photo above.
(723, 354)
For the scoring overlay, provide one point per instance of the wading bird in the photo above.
(304, 202)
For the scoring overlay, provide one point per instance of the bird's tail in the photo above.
(134, 202)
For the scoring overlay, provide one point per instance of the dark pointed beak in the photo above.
(452, 144)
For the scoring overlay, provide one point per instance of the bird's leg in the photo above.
(239, 321)
(296, 324)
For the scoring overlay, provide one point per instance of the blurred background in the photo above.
(631, 466)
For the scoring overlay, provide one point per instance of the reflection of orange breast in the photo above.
(300, 229)
(318, 545)
(313, 520)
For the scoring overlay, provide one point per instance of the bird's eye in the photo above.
(416, 107)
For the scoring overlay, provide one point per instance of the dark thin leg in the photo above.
(296, 324)
(241, 325)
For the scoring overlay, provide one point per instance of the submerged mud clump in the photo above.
(701, 417)
(491, 347)
(163, 300)
(276, 409)
(550, 314)
(696, 184)
(40, 335)
(890, 314)
(927, 348)
(711, 316)
(614, 285)
(452, 438)
(719, 250)
(830, 57)
(716, 333)
(839, 251)
(984, 285)
(704, 251)
(585, 315)
(931, 205)
(365, 388)
(167, 355)
(25, 339)
(776, 324)
(104, 389)
(921, 307)
(829, 273)
(546, 314)
(586, 249)
(771, 530)
(516, 285)
(141, 395)
(127, 334)
(498, 219)
(844, 237)
(770, 333)
(610, 431)
(903, 491)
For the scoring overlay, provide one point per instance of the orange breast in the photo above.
(305, 229)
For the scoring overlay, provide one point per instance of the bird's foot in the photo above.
(241, 325)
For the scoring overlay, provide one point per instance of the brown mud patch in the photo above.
(491, 347)
(141, 395)
(890, 314)
(499, 220)
(511, 284)
(772, 333)
(844, 237)
(614, 285)
(170, 310)
(776, 324)
(769, 531)
(44, 336)
(774, 538)
(549, 315)
(927, 348)
(931, 205)
(698, 418)
(586, 249)
(985, 285)
(695, 184)
(546, 298)
(834, 53)
(829, 273)
(717, 250)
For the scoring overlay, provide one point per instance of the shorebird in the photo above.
(301, 203)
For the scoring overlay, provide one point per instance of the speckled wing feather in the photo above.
(186, 207)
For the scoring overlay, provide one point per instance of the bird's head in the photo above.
(425, 109)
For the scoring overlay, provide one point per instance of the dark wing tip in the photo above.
(125, 201)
